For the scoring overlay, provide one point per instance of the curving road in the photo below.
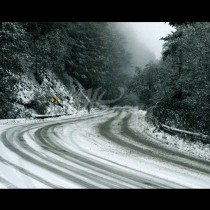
(99, 150)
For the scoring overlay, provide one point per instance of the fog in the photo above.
(143, 40)
(141, 54)
(150, 33)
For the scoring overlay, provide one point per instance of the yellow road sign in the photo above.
(54, 100)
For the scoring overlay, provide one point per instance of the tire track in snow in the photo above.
(44, 141)
(9, 143)
(165, 153)
(20, 141)
(107, 181)
(76, 157)
(44, 148)
(105, 129)
(7, 183)
(137, 142)
(100, 167)
(28, 173)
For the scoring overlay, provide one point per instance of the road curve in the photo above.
(99, 150)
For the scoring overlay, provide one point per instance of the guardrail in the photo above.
(45, 116)
(202, 137)
(48, 116)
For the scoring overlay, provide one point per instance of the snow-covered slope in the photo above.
(194, 148)
(34, 97)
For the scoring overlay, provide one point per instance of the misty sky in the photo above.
(149, 33)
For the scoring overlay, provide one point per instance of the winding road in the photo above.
(98, 150)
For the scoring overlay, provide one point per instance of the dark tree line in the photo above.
(91, 53)
(177, 88)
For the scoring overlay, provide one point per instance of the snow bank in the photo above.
(30, 94)
(197, 148)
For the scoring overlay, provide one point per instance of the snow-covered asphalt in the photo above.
(100, 150)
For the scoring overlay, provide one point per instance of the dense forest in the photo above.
(176, 89)
(89, 54)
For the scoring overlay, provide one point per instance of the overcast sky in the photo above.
(150, 32)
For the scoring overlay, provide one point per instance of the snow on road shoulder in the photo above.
(186, 146)
(7, 123)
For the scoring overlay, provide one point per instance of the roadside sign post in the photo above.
(54, 100)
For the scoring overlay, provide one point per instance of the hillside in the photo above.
(35, 98)
(40, 60)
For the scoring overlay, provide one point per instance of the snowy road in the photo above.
(100, 150)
